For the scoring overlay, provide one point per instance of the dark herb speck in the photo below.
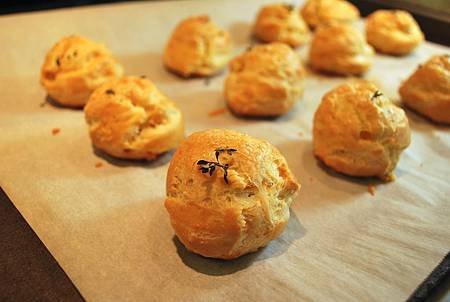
(375, 95)
(289, 7)
(210, 166)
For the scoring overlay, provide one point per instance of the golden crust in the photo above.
(316, 12)
(340, 49)
(281, 23)
(74, 67)
(358, 133)
(197, 47)
(266, 80)
(427, 90)
(221, 220)
(393, 32)
(130, 118)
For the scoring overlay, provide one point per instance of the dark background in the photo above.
(10, 6)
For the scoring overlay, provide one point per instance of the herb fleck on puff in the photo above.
(375, 95)
(210, 166)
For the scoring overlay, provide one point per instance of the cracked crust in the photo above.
(267, 80)
(222, 220)
(281, 23)
(427, 90)
(130, 118)
(317, 12)
(393, 32)
(74, 67)
(360, 133)
(340, 49)
(197, 47)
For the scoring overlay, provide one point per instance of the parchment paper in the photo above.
(107, 226)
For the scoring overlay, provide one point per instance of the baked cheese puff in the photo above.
(130, 118)
(197, 47)
(340, 49)
(74, 67)
(427, 90)
(281, 23)
(393, 32)
(316, 12)
(358, 131)
(266, 80)
(228, 194)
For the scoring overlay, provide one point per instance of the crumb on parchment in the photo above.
(98, 164)
(55, 131)
(217, 111)
(371, 189)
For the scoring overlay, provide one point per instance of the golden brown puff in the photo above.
(197, 47)
(226, 217)
(281, 23)
(130, 118)
(266, 80)
(358, 131)
(340, 49)
(74, 67)
(316, 12)
(393, 32)
(427, 90)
